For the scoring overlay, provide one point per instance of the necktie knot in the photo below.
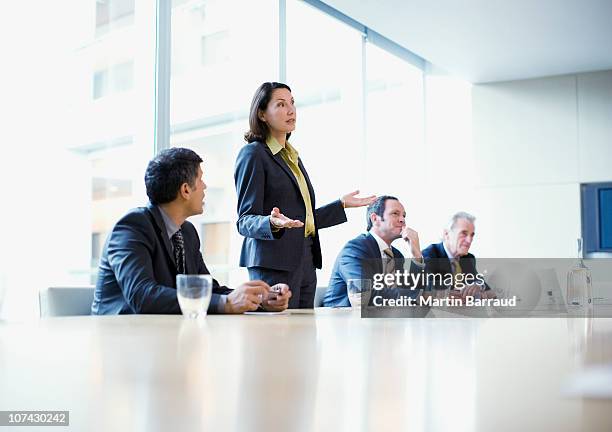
(179, 251)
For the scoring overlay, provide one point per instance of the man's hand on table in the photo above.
(246, 297)
(278, 298)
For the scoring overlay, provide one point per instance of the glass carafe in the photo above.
(579, 287)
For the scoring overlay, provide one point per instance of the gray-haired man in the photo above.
(452, 257)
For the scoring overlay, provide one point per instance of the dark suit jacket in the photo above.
(264, 181)
(137, 273)
(438, 262)
(360, 259)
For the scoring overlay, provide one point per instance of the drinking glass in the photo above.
(579, 286)
(194, 293)
(579, 290)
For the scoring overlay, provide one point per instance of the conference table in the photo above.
(327, 369)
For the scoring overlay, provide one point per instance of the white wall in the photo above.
(535, 141)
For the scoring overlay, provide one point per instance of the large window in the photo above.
(328, 92)
(394, 124)
(324, 70)
(110, 84)
(353, 100)
(111, 14)
(219, 58)
(89, 125)
(82, 139)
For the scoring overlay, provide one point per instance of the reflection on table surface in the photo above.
(323, 370)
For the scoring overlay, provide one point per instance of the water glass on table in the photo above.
(194, 293)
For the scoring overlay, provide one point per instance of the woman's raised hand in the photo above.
(350, 200)
(279, 220)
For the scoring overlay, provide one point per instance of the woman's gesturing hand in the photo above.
(350, 200)
(279, 220)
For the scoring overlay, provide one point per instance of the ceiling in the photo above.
(495, 40)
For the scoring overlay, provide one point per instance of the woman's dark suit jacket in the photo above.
(264, 181)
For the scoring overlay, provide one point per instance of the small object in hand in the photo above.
(275, 291)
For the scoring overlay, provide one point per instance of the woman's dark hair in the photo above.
(167, 172)
(258, 129)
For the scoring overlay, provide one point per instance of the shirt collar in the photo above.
(448, 254)
(382, 245)
(273, 145)
(171, 226)
(275, 148)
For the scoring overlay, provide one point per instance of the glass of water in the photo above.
(194, 293)
(357, 290)
(579, 289)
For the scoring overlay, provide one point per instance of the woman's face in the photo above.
(280, 112)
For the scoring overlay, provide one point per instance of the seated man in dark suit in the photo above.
(150, 245)
(372, 253)
(452, 257)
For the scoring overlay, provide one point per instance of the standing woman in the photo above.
(276, 202)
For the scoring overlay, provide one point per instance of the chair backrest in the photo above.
(65, 301)
(319, 296)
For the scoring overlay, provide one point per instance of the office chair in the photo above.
(65, 301)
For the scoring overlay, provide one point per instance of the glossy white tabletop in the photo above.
(328, 370)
